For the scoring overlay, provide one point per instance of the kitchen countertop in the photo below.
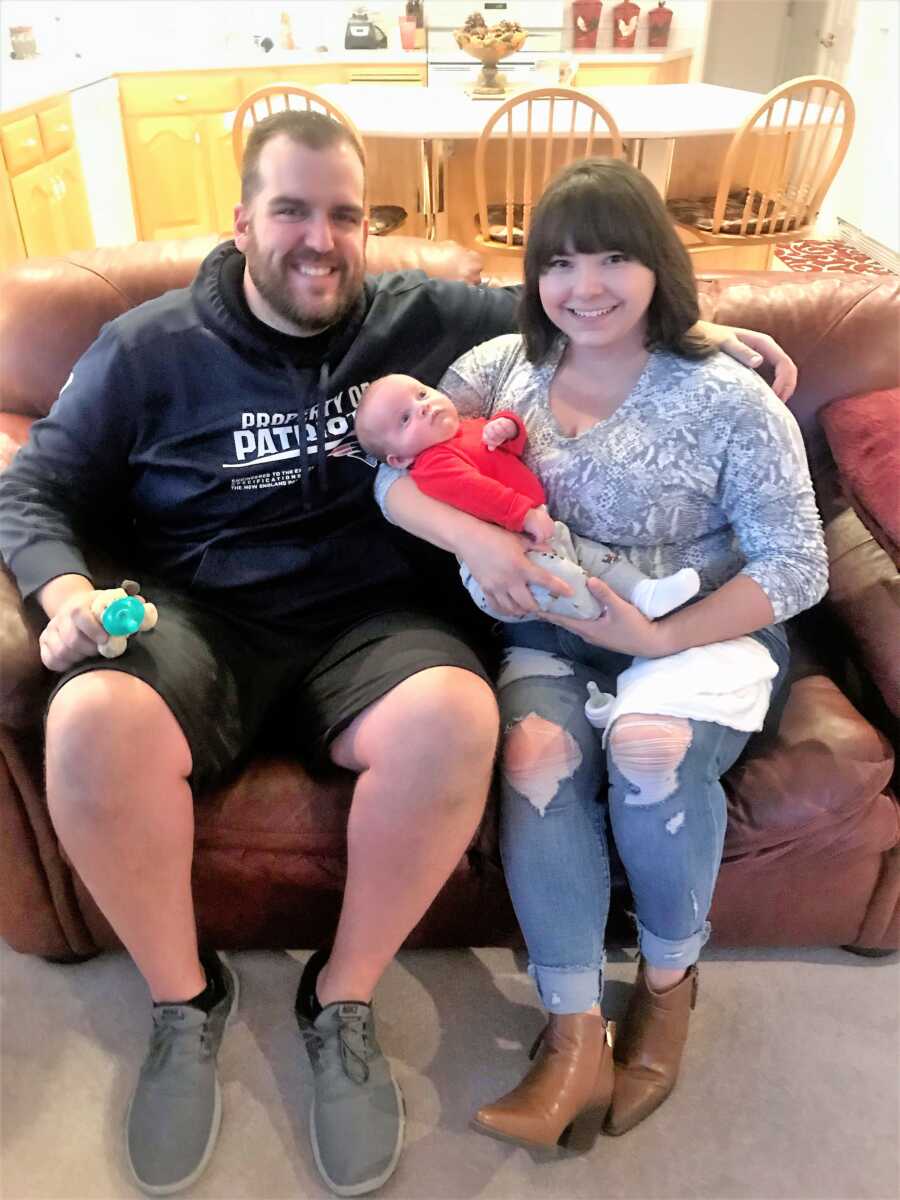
(33, 79)
(645, 55)
(23, 82)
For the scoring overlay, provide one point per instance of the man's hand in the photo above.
(73, 632)
(753, 349)
(619, 627)
(498, 431)
(539, 525)
(497, 560)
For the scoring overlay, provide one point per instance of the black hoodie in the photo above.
(200, 434)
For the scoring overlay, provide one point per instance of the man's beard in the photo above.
(271, 283)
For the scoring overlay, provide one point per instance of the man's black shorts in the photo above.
(235, 687)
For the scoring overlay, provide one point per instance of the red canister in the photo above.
(585, 19)
(659, 19)
(625, 19)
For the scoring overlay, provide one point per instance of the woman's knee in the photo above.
(648, 752)
(537, 757)
(106, 725)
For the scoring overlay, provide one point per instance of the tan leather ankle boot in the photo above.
(573, 1074)
(648, 1050)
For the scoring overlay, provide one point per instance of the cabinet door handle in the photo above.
(181, 98)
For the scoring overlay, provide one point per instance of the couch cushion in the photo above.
(823, 767)
(863, 433)
(698, 212)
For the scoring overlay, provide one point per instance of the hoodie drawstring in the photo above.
(321, 455)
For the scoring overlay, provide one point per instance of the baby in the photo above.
(475, 464)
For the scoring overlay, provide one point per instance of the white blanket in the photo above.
(727, 682)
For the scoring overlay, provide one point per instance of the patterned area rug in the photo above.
(828, 256)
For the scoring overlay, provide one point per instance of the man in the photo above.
(211, 431)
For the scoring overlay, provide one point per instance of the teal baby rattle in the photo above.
(122, 612)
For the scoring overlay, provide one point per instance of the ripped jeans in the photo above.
(666, 808)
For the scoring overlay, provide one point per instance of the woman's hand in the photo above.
(753, 349)
(619, 627)
(498, 562)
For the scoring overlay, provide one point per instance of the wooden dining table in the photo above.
(420, 142)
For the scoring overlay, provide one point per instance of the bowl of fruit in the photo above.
(489, 44)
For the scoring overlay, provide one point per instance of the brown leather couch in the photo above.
(813, 846)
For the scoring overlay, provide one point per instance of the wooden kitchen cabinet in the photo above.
(603, 74)
(178, 138)
(413, 73)
(12, 245)
(43, 199)
(168, 159)
(314, 74)
(176, 141)
(225, 180)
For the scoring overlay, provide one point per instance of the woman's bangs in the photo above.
(579, 222)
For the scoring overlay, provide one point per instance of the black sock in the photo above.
(214, 991)
(307, 1003)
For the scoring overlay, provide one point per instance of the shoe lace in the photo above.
(353, 1038)
(170, 1039)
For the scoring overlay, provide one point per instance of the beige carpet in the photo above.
(789, 1092)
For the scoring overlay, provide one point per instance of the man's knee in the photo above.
(537, 756)
(107, 725)
(444, 716)
(648, 752)
(453, 714)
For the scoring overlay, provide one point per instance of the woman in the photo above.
(646, 440)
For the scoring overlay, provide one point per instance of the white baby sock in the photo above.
(598, 705)
(656, 597)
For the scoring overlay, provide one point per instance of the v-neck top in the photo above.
(701, 466)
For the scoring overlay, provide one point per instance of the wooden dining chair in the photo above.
(525, 142)
(776, 171)
(277, 97)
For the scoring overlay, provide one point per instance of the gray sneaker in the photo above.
(357, 1117)
(173, 1119)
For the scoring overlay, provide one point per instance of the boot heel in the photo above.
(573, 1074)
(582, 1135)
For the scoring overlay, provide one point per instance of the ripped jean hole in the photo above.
(521, 662)
(537, 756)
(648, 752)
(675, 823)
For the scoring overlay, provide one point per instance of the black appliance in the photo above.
(362, 33)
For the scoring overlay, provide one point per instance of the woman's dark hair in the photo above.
(602, 204)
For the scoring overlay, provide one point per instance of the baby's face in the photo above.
(408, 417)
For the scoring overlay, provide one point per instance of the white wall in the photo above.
(744, 43)
(96, 28)
(866, 192)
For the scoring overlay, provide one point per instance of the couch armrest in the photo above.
(864, 597)
(23, 680)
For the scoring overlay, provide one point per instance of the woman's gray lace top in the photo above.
(701, 466)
